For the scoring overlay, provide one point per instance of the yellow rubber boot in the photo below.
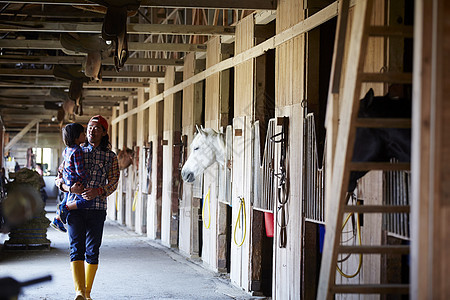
(90, 270)
(78, 278)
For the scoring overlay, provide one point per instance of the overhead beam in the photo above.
(132, 46)
(39, 100)
(76, 60)
(105, 74)
(18, 136)
(32, 112)
(301, 27)
(91, 27)
(65, 84)
(219, 4)
(46, 92)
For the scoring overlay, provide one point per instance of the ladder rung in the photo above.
(371, 289)
(396, 31)
(387, 77)
(383, 123)
(370, 249)
(382, 166)
(377, 208)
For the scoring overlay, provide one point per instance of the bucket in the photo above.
(268, 221)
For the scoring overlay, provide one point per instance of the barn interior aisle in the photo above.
(132, 267)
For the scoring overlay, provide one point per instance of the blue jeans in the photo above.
(85, 229)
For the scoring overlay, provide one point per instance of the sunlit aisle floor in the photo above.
(131, 267)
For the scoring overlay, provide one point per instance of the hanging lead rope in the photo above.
(238, 222)
(358, 236)
(282, 193)
(135, 198)
(182, 145)
(207, 202)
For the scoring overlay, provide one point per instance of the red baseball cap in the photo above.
(101, 120)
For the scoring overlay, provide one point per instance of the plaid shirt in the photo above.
(104, 174)
(74, 170)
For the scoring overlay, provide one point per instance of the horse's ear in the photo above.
(199, 129)
(369, 97)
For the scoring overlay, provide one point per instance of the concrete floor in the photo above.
(131, 267)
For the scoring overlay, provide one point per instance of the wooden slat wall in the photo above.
(430, 162)
(169, 218)
(239, 274)
(155, 117)
(212, 100)
(242, 162)
(130, 179)
(113, 198)
(289, 89)
(139, 227)
(120, 188)
(189, 208)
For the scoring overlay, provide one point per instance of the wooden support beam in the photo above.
(133, 28)
(132, 46)
(24, 131)
(77, 60)
(229, 4)
(46, 92)
(65, 84)
(105, 74)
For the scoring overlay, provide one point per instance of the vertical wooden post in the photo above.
(290, 85)
(130, 179)
(244, 110)
(191, 116)
(113, 198)
(155, 130)
(172, 133)
(140, 214)
(120, 190)
(430, 208)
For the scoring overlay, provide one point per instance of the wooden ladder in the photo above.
(342, 142)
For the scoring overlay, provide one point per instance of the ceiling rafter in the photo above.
(105, 74)
(78, 60)
(218, 4)
(132, 46)
(133, 28)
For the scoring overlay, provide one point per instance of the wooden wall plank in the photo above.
(121, 190)
(212, 100)
(140, 214)
(167, 225)
(289, 90)
(430, 206)
(156, 117)
(189, 208)
(113, 198)
(129, 173)
(242, 165)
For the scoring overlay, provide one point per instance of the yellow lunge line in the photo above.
(238, 221)
(209, 210)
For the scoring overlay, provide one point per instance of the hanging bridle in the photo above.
(182, 144)
(282, 192)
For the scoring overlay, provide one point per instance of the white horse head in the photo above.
(207, 148)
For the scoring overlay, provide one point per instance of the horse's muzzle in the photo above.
(188, 176)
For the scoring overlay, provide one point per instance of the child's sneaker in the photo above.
(58, 225)
(63, 211)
